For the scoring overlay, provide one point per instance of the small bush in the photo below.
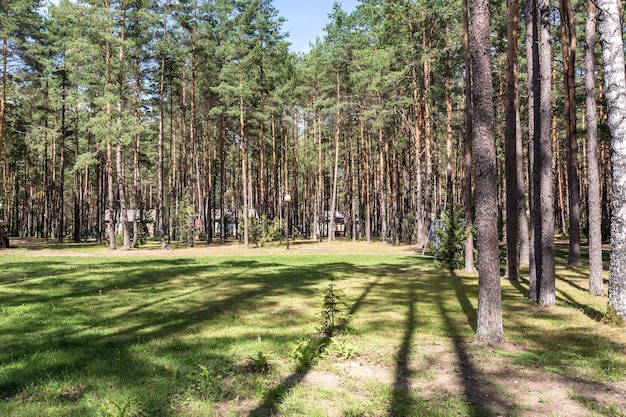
(184, 218)
(333, 306)
(263, 230)
(452, 236)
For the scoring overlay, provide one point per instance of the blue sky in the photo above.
(306, 19)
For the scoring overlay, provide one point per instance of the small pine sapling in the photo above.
(333, 307)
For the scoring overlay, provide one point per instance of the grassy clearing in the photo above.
(220, 332)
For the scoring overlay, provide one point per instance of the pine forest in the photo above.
(192, 121)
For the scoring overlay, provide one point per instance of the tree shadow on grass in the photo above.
(400, 398)
(101, 343)
(564, 297)
(482, 394)
(275, 396)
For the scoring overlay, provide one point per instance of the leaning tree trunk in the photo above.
(596, 285)
(489, 327)
(615, 85)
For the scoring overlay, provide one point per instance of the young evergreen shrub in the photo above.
(333, 308)
(452, 236)
(263, 230)
(184, 218)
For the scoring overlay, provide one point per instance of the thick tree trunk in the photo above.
(510, 144)
(489, 326)
(544, 174)
(596, 285)
(615, 86)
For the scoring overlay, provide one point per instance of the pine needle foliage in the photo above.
(333, 310)
(452, 236)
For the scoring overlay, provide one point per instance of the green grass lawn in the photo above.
(190, 335)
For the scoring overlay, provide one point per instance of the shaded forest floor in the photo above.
(224, 331)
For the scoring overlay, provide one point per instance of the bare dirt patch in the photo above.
(491, 381)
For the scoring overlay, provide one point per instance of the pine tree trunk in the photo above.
(366, 181)
(558, 167)
(544, 174)
(615, 86)
(382, 189)
(194, 177)
(77, 191)
(510, 144)
(109, 149)
(428, 177)
(3, 93)
(449, 192)
(139, 204)
(596, 285)
(160, 211)
(534, 125)
(568, 42)
(262, 180)
(333, 200)
(244, 172)
(63, 135)
(467, 144)
(222, 180)
(121, 186)
(489, 327)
